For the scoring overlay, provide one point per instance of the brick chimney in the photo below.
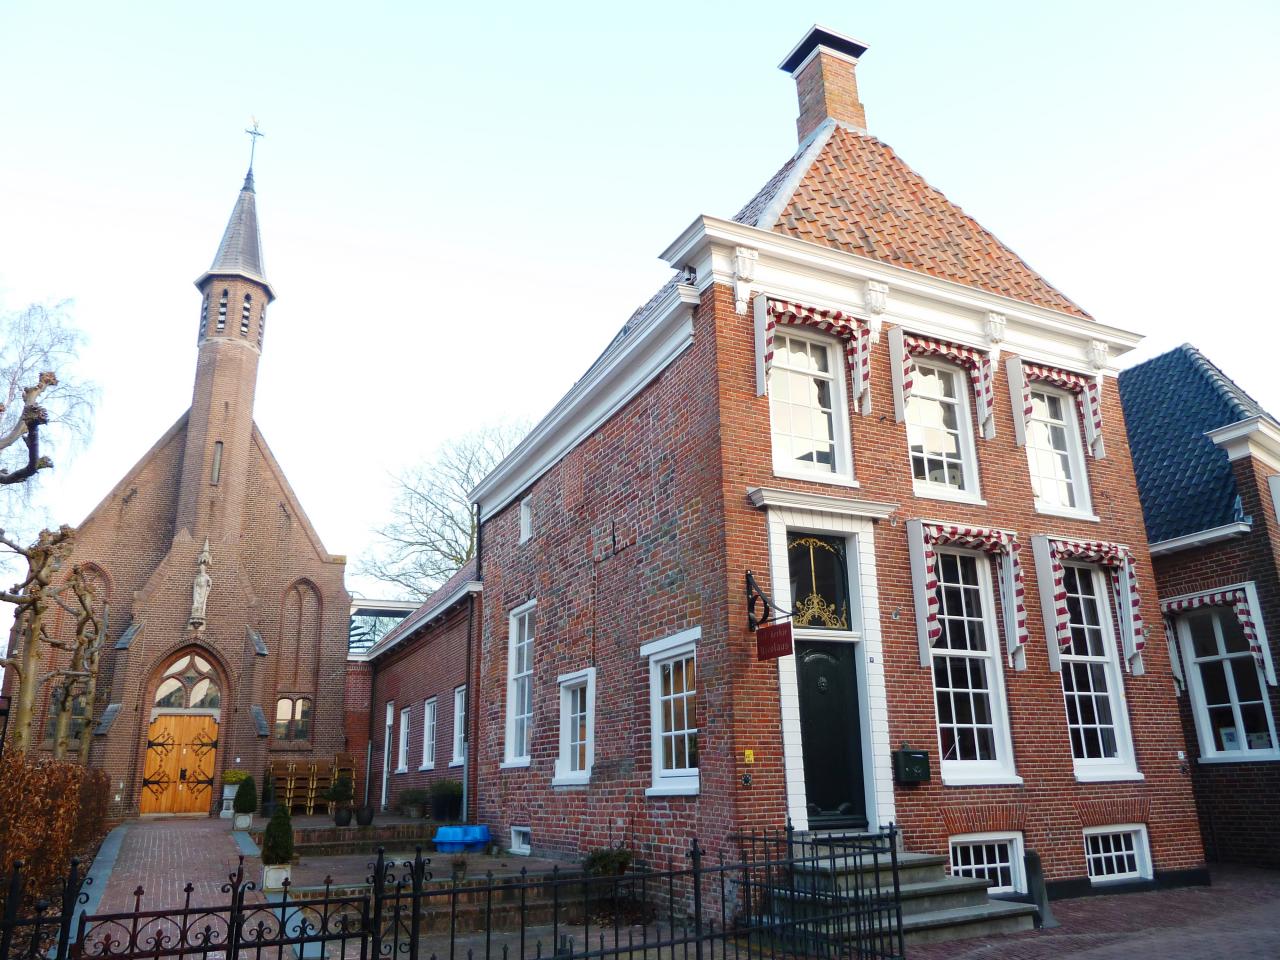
(823, 64)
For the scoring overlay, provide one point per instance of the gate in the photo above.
(812, 898)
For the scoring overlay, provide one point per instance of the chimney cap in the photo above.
(822, 37)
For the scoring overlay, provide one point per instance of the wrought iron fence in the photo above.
(767, 895)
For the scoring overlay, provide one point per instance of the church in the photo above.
(228, 619)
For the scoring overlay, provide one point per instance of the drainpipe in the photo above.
(466, 707)
(368, 746)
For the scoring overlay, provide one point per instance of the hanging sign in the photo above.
(773, 640)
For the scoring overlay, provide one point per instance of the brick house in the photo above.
(228, 617)
(914, 445)
(1207, 459)
(407, 695)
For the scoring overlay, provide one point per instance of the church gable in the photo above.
(272, 510)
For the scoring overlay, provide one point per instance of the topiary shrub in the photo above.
(246, 800)
(277, 842)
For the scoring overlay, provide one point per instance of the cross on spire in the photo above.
(254, 133)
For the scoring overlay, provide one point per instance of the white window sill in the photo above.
(514, 764)
(571, 779)
(689, 788)
(459, 761)
(817, 476)
(1116, 881)
(426, 766)
(1243, 756)
(1049, 510)
(947, 493)
(1096, 775)
(981, 780)
(400, 770)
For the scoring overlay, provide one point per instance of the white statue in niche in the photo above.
(200, 587)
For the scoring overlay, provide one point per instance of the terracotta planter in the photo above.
(275, 875)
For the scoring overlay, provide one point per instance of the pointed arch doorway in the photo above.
(182, 739)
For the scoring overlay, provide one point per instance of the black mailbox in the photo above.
(911, 766)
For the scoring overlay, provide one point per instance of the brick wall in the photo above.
(1050, 794)
(431, 663)
(1239, 803)
(627, 547)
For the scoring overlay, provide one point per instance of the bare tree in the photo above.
(432, 530)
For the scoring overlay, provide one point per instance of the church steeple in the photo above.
(233, 312)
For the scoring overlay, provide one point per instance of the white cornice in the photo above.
(1199, 539)
(708, 242)
(825, 503)
(1258, 437)
(623, 370)
(418, 619)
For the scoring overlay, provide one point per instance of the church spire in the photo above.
(240, 253)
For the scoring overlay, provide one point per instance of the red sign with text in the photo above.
(773, 640)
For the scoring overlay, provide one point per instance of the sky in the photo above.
(460, 205)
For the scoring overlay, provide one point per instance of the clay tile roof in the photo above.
(1185, 481)
(850, 191)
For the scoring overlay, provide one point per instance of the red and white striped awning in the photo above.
(1087, 393)
(854, 332)
(997, 542)
(977, 362)
(1124, 583)
(1238, 600)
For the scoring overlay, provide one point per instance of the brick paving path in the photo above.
(163, 855)
(1238, 918)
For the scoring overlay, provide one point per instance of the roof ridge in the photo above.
(1234, 394)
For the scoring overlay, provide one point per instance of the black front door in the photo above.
(831, 734)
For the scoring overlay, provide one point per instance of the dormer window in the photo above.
(244, 314)
(222, 312)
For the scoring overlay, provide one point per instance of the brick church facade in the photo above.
(228, 617)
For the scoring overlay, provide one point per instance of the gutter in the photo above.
(1201, 538)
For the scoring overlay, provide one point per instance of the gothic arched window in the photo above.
(189, 684)
(222, 312)
(293, 718)
(244, 314)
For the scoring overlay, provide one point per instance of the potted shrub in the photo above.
(277, 850)
(364, 815)
(245, 803)
(446, 800)
(413, 802)
(231, 780)
(340, 795)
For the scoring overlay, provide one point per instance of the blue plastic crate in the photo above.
(457, 839)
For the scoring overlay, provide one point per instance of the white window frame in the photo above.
(526, 519)
(1141, 847)
(1001, 770)
(569, 684)
(521, 841)
(843, 472)
(402, 744)
(673, 783)
(1017, 873)
(971, 492)
(459, 726)
(388, 732)
(1076, 461)
(511, 758)
(1124, 765)
(430, 719)
(1195, 684)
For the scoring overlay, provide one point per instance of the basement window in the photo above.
(216, 474)
(521, 841)
(994, 857)
(1117, 853)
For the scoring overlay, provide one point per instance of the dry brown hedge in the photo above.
(51, 810)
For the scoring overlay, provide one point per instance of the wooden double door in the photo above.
(178, 773)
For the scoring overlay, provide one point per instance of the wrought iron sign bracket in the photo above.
(772, 611)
